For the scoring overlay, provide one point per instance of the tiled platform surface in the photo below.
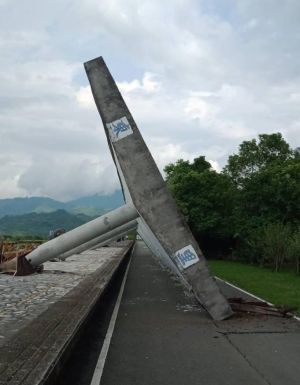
(41, 312)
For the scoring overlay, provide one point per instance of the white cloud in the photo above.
(64, 178)
(199, 108)
(198, 76)
(147, 85)
(85, 98)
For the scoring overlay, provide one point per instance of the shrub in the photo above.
(275, 244)
(294, 250)
(268, 245)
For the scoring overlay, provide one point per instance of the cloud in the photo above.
(68, 178)
(198, 76)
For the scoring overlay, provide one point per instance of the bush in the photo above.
(275, 244)
(294, 250)
(268, 245)
(252, 248)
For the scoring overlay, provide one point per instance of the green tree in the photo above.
(257, 192)
(255, 155)
(175, 171)
(267, 174)
(273, 194)
(205, 197)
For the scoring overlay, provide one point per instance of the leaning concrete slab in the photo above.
(145, 187)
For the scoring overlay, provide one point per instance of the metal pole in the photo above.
(82, 234)
(121, 230)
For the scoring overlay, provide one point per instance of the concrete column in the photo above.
(121, 230)
(112, 239)
(82, 234)
(148, 190)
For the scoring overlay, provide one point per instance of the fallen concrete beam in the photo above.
(116, 239)
(110, 235)
(82, 234)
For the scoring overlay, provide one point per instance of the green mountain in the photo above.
(95, 204)
(18, 206)
(39, 224)
(91, 206)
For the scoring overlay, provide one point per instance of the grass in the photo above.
(282, 288)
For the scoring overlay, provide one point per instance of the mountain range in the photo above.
(36, 216)
(35, 225)
(90, 205)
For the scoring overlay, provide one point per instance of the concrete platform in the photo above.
(162, 336)
(41, 313)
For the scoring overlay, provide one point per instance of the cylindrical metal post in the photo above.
(102, 238)
(82, 234)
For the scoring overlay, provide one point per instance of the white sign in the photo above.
(186, 257)
(119, 129)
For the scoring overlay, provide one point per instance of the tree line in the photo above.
(251, 209)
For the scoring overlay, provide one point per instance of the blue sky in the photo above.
(199, 77)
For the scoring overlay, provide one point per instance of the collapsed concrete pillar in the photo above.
(82, 234)
(98, 241)
(148, 192)
(116, 239)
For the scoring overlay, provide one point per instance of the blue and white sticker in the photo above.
(119, 129)
(186, 257)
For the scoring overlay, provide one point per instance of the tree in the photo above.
(253, 156)
(273, 194)
(258, 189)
(205, 197)
(175, 171)
(267, 174)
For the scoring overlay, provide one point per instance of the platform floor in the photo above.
(25, 298)
(162, 336)
(62, 298)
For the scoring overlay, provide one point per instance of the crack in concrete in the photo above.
(252, 366)
(256, 332)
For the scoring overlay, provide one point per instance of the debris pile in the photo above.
(259, 307)
(12, 256)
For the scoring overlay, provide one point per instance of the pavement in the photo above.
(25, 298)
(162, 336)
(42, 313)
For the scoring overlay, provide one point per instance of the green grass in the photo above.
(282, 288)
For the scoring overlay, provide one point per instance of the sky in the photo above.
(199, 76)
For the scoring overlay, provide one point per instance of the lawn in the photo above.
(282, 288)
